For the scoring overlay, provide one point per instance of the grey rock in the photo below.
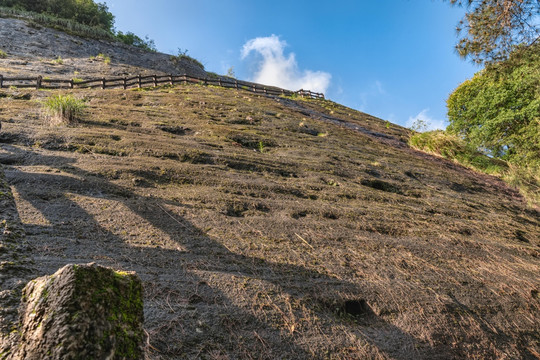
(82, 312)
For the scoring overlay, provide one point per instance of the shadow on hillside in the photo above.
(52, 195)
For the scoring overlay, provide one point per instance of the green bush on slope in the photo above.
(452, 147)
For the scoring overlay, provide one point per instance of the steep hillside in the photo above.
(268, 227)
(32, 49)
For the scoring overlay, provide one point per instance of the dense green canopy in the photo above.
(498, 110)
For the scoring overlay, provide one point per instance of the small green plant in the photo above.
(58, 60)
(183, 56)
(3, 54)
(419, 125)
(261, 147)
(102, 57)
(63, 109)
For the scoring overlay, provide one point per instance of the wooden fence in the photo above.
(145, 81)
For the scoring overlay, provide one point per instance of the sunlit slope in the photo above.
(277, 228)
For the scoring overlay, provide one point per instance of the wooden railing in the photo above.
(140, 81)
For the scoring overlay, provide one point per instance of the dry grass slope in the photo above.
(277, 228)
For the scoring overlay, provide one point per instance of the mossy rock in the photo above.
(82, 312)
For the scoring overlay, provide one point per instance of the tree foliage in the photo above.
(498, 110)
(95, 18)
(492, 28)
(86, 12)
(130, 38)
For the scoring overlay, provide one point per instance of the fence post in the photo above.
(124, 83)
(155, 80)
(1, 81)
(171, 82)
(254, 88)
(103, 83)
(236, 84)
(139, 83)
(38, 82)
(264, 88)
(71, 84)
(219, 82)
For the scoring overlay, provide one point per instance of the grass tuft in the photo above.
(63, 109)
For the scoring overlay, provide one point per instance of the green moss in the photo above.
(121, 295)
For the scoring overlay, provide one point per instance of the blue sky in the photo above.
(393, 59)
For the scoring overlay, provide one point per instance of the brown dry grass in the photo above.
(336, 241)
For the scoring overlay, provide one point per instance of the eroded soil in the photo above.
(32, 50)
(277, 228)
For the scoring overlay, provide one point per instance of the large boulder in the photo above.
(82, 312)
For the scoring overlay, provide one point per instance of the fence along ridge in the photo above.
(140, 81)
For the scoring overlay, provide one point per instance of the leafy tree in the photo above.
(494, 27)
(498, 110)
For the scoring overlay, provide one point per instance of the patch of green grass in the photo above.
(63, 109)
(3, 54)
(58, 60)
(102, 57)
(438, 142)
(527, 180)
(452, 147)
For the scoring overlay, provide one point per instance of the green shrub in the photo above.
(63, 109)
(85, 12)
(67, 25)
(182, 56)
(3, 54)
(452, 147)
(438, 142)
(131, 39)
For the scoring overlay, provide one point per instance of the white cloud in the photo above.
(276, 68)
(431, 123)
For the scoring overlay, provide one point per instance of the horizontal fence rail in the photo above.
(140, 81)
